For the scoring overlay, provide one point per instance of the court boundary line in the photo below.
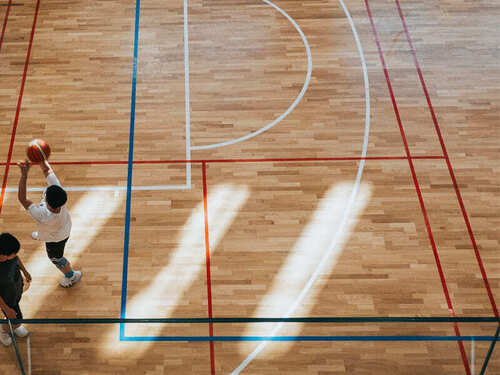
(344, 320)
(187, 94)
(318, 319)
(311, 338)
(417, 188)
(448, 162)
(242, 160)
(18, 107)
(116, 188)
(126, 235)
(207, 264)
(7, 11)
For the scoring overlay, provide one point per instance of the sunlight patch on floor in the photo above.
(293, 292)
(167, 289)
(88, 216)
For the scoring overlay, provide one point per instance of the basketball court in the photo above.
(284, 186)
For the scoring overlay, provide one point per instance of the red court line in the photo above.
(125, 162)
(417, 188)
(18, 109)
(448, 163)
(207, 256)
(5, 23)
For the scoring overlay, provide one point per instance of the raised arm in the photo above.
(46, 168)
(21, 193)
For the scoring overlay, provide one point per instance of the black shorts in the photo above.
(56, 249)
(16, 308)
(18, 311)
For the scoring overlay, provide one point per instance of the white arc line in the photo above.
(349, 206)
(294, 104)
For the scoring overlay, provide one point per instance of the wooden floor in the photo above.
(270, 207)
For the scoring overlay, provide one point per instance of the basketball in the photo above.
(38, 150)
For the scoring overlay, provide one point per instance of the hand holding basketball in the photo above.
(38, 150)
(24, 166)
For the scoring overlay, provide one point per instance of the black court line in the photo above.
(378, 319)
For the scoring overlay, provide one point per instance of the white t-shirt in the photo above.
(52, 227)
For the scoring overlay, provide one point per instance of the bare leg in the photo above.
(6, 328)
(66, 269)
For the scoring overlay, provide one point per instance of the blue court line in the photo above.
(130, 167)
(308, 338)
(490, 350)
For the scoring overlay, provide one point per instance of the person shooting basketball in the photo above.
(52, 217)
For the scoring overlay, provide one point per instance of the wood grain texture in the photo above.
(247, 65)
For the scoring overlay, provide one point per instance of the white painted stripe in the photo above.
(186, 89)
(28, 349)
(109, 188)
(472, 358)
(34, 143)
(294, 104)
(341, 227)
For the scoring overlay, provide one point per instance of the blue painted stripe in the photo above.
(490, 351)
(130, 168)
(308, 338)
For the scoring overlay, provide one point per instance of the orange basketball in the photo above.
(38, 150)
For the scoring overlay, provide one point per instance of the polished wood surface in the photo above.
(247, 65)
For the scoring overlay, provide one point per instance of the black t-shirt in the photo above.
(11, 282)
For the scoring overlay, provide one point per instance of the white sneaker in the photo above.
(34, 235)
(5, 338)
(68, 282)
(21, 331)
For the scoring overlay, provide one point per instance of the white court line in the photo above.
(28, 353)
(186, 89)
(294, 104)
(109, 188)
(347, 211)
(187, 186)
(472, 358)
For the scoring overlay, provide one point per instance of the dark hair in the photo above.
(56, 196)
(8, 244)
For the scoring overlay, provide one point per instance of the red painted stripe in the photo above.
(419, 193)
(448, 163)
(5, 23)
(18, 109)
(207, 256)
(118, 162)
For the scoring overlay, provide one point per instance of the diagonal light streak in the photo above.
(168, 287)
(351, 199)
(88, 216)
(315, 252)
